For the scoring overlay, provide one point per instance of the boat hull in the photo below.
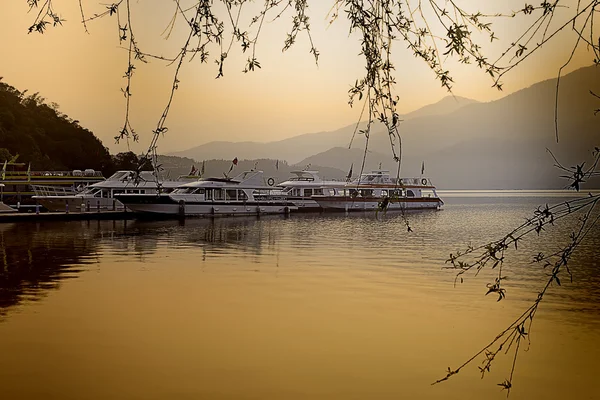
(78, 203)
(305, 204)
(166, 206)
(361, 204)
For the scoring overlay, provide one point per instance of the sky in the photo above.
(289, 95)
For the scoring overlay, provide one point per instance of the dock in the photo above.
(62, 216)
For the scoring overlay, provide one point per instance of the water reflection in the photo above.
(36, 257)
(308, 307)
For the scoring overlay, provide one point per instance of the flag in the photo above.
(423, 168)
(4, 170)
(194, 170)
(233, 163)
(277, 165)
(202, 170)
(350, 173)
(29, 173)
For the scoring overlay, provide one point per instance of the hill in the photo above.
(299, 147)
(469, 145)
(279, 170)
(41, 135)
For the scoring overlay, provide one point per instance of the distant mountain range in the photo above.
(297, 148)
(465, 144)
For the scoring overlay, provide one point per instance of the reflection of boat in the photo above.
(376, 190)
(303, 185)
(246, 194)
(101, 195)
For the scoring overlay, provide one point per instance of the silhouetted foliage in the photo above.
(39, 133)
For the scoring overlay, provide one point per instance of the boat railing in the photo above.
(41, 190)
(65, 174)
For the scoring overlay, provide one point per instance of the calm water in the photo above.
(307, 307)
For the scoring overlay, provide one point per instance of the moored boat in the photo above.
(378, 191)
(101, 196)
(245, 194)
(19, 181)
(302, 185)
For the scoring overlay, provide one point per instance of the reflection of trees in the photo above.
(36, 257)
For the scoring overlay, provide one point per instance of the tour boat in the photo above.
(378, 191)
(245, 194)
(18, 181)
(302, 185)
(101, 196)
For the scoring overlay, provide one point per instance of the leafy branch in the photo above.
(493, 254)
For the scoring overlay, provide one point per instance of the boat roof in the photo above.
(305, 173)
(247, 179)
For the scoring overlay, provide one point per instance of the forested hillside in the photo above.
(41, 135)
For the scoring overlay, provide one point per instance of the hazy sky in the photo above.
(288, 96)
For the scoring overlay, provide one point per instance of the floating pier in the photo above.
(63, 216)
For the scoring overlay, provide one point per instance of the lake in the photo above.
(313, 306)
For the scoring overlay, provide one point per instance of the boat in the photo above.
(245, 194)
(101, 196)
(3, 207)
(19, 181)
(302, 185)
(376, 190)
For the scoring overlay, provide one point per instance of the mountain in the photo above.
(446, 105)
(278, 170)
(343, 158)
(465, 144)
(38, 133)
(300, 147)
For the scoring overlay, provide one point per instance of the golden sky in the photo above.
(288, 96)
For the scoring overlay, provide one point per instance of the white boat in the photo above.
(3, 207)
(302, 185)
(245, 194)
(101, 196)
(378, 191)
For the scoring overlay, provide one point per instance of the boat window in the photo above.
(410, 193)
(318, 191)
(218, 194)
(106, 194)
(384, 193)
(209, 194)
(230, 194)
(242, 195)
(199, 191)
(366, 192)
(332, 192)
(308, 192)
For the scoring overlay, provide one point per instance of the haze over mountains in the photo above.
(464, 144)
